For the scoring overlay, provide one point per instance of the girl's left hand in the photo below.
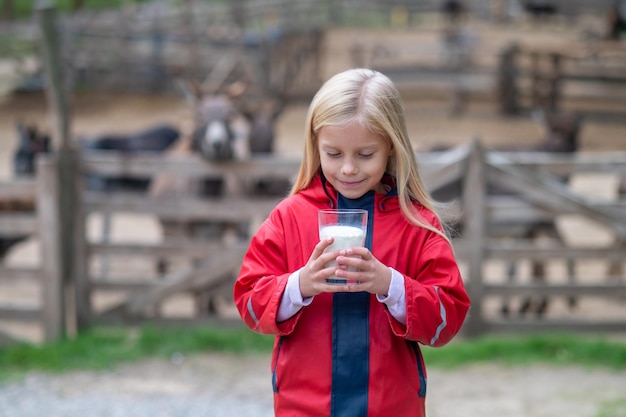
(372, 275)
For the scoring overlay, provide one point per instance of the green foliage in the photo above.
(25, 8)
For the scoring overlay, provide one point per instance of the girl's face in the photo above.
(353, 159)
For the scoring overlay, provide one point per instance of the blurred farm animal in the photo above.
(561, 136)
(616, 22)
(152, 139)
(540, 10)
(30, 142)
(33, 142)
(227, 125)
(452, 10)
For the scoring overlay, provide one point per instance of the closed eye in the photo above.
(333, 154)
(366, 155)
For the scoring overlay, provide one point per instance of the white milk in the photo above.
(345, 237)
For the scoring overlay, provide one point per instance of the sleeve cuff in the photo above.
(292, 300)
(395, 300)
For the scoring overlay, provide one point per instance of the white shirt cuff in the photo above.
(395, 300)
(292, 300)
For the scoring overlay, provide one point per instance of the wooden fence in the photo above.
(49, 310)
(591, 72)
(207, 267)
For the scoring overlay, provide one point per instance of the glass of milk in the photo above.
(348, 227)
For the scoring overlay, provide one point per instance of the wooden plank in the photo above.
(17, 224)
(123, 284)
(20, 313)
(152, 163)
(515, 209)
(8, 273)
(548, 192)
(529, 250)
(603, 290)
(188, 249)
(234, 209)
(440, 169)
(562, 163)
(474, 200)
(53, 294)
(209, 272)
(18, 189)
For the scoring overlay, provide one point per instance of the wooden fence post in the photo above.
(64, 190)
(53, 288)
(474, 203)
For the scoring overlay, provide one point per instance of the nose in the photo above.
(349, 167)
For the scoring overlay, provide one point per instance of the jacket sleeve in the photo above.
(436, 299)
(262, 280)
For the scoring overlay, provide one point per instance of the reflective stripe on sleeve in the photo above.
(442, 313)
(251, 311)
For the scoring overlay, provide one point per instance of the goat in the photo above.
(562, 132)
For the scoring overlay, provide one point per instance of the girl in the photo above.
(353, 350)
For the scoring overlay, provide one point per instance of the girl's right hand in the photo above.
(313, 275)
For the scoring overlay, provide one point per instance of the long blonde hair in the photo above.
(373, 99)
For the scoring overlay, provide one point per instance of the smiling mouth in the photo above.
(351, 183)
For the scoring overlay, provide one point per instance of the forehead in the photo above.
(352, 135)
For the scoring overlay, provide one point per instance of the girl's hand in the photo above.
(313, 275)
(372, 275)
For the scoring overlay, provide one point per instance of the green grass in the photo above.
(103, 348)
(616, 408)
(554, 349)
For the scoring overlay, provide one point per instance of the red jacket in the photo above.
(345, 354)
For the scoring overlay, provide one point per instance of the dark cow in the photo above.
(540, 10)
(30, 143)
(154, 139)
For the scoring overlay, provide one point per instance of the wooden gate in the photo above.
(208, 264)
(31, 209)
(539, 196)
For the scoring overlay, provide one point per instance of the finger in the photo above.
(321, 246)
(357, 251)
